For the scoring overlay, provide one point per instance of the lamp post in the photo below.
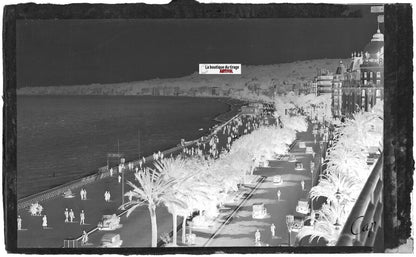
(290, 221)
(337, 225)
(312, 182)
(122, 161)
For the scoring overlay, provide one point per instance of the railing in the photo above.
(365, 219)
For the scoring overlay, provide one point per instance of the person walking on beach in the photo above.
(71, 216)
(44, 222)
(82, 218)
(257, 236)
(273, 230)
(19, 223)
(302, 183)
(278, 195)
(66, 215)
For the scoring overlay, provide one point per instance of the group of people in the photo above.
(107, 196)
(69, 215)
(83, 194)
(157, 156)
(257, 234)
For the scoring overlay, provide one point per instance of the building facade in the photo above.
(360, 86)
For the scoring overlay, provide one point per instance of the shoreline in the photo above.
(234, 106)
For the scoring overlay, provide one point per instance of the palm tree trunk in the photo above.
(175, 225)
(152, 211)
(184, 229)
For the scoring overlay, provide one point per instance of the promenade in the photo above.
(235, 225)
(33, 235)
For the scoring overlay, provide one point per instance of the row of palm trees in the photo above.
(345, 175)
(199, 183)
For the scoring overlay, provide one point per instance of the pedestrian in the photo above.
(44, 222)
(257, 236)
(84, 237)
(111, 172)
(71, 216)
(85, 194)
(81, 194)
(109, 196)
(140, 164)
(105, 196)
(302, 183)
(144, 160)
(137, 169)
(273, 230)
(66, 215)
(19, 223)
(119, 179)
(82, 218)
(278, 195)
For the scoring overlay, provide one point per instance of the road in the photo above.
(241, 230)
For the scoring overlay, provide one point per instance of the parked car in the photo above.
(309, 150)
(259, 211)
(277, 180)
(302, 207)
(111, 240)
(298, 224)
(298, 166)
(292, 158)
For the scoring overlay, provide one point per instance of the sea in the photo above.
(62, 138)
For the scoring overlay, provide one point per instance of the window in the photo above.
(378, 82)
(365, 74)
(378, 74)
(365, 82)
(378, 93)
(363, 93)
(371, 74)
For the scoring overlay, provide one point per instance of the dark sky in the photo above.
(70, 52)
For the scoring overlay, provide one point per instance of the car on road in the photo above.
(299, 166)
(111, 240)
(259, 211)
(302, 207)
(277, 180)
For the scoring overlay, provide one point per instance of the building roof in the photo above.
(376, 44)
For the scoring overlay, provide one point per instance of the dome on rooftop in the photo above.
(376, 44)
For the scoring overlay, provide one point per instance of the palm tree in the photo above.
(154, 188)
(186, 193)
(335, 184)
(324, 227)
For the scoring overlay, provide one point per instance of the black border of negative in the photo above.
(398, 114)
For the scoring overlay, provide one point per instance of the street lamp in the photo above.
(290, 221)
(337, 225)
(121, 169)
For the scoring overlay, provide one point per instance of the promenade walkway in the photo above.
(136, 229)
